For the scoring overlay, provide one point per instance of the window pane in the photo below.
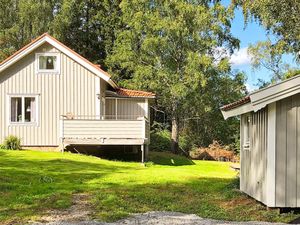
(16, 110)
(30, 110)
(47, 62)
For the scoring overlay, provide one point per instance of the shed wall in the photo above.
(74, 90)
(253, 159)
(287, 188)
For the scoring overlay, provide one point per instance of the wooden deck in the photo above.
(104, 132)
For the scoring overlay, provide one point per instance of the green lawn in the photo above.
(33, 182)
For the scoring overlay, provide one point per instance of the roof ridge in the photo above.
(63, 46)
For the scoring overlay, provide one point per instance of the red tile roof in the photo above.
(134, 93)
(236, 104)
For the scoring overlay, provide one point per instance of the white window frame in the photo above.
(247, 131)
(23, 96)
(37, 58)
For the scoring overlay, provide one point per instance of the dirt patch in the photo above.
(239, 201)
(79, 211)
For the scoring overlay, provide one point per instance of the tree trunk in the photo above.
(175, 135)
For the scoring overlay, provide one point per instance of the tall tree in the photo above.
(279, 17)
(168, 46)
(207, 123)
(271, 58)
(88, 26)
(23, 20)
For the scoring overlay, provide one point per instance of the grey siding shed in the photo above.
(288, 152)
(253, 158)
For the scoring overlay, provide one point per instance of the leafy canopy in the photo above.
(279, 17)
(168, 46)
(88, 27)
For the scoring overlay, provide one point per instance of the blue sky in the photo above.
(250, 34)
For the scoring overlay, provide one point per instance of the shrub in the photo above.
(12, 143)
(160, 140)
(214, 151)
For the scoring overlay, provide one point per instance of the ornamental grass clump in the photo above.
(12, 143)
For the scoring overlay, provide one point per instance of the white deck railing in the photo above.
(89, 127)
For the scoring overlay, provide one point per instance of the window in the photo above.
(247, 132)
(23, 109)
(47, 62)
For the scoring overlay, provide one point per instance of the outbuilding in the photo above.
(270, 143)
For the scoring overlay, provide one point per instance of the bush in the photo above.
(12, 143)
(214, 151)
(160, 140)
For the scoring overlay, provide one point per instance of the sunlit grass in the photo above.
(32, 182)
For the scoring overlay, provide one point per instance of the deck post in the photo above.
(146, 151)
(143, 153)
(62, 134)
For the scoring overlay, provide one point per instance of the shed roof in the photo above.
(262, 97)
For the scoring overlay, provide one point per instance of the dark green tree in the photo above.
(23, 20)
(87, 26)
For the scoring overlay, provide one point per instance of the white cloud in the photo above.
(250, 87)
(240, 57)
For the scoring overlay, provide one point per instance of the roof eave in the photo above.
(242, 109)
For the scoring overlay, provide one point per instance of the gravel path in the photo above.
(160, 218)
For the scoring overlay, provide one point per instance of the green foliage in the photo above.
(291, 73)
(160, 140)
(23, 20)
(170, 47)
(88, 27)
(264, 54)
(280, 17)
(208, 124)
(49, 181)
(12, 143)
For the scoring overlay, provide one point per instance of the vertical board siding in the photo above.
(253, 160)
(287, 152)
(73, 90)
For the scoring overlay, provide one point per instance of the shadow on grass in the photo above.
(169, 159)
(29, 186)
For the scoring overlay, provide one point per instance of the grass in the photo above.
(33, 182)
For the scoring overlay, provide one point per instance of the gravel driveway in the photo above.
(161, 218)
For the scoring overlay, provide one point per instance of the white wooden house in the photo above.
(51, 96)
(270, 143)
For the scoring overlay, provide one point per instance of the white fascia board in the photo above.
(237, 111)
(22, 54)
(275, 93)
(78, 59)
